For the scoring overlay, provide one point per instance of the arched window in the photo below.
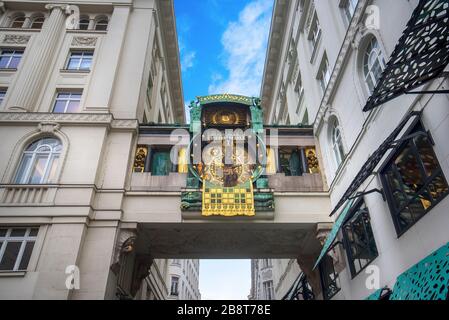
(373, 64)
(37, 22)
(337, 143)
(39, 162)
(84, 23)
(18, 21)
(101, 24)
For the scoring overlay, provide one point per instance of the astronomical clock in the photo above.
(229, 179)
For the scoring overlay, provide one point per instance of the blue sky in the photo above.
(223, 46)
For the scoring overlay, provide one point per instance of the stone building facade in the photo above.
(323, 63)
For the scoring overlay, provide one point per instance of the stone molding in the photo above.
(345, 52)
(16, 39)
(84, 41)
(72, 118)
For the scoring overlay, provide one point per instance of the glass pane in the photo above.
(4, 62)
(86, 63)
(73, 63)
(419, 205)
(20, 232)
(38, 171)
(73, 107)
(53, 170)
(14, 62)
(23, 167)
(438, 187)
(404, 219)
(63, 95)
(395, 187)
(60, 106)
(10, 256)
(410, 172)
(26, 255)
(427, 155)
(34, 232)
(3, 232)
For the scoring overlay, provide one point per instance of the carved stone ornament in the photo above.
(48, 127)
(84, 41)
(16, 39)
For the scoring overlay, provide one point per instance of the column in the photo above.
(35, 67)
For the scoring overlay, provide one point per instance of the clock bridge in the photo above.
(225, 186)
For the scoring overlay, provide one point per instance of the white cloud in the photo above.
(244, 47)
(187, 60)
(187, 56)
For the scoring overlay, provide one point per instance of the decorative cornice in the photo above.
(343, 55)
(84, 41)
(46, 119)
(16, 39)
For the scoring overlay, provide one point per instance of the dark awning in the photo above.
(421, 54)
(334, 232)
(427, 280)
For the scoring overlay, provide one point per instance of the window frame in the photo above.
(400, 231)
(102, 21)
(336, 145)
(24, 240)
(11, 56)
(3, 92)
(356, 213)
(324, 73)
(68, 100)
(174, 285)
(349, 8)
(322, 282)
(51, 157)
(82, 57)
(268, 288)
(367, 69)
(315, 35)
(13, 21)
(33, 21)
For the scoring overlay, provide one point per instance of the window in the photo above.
(359, 239)
(161, 164)
(84, 23)
(266, 263)
(349, 7)
(10, 58)
(268, 290)
(101, 25)
(39, 162)
(37, 23)
(330, 281)
(150, 88)
(325, 74)
(413, 180)
(315, 34)
(18, 22)
(174, 286)
(373, 64)
(16, 246)
(290, 161)
(80, 60)
(2, 95)
(67, 102)
(337, 143)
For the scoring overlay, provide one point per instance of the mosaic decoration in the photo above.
(140, 159)
(427, 280)
(228, 202)
(368, 167)
(421, 54)
(333, 234)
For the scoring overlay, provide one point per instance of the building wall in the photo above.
(187, 274)
(362, 132)
(78, 214)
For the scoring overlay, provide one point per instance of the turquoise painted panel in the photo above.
(427, 280)
(333, 234)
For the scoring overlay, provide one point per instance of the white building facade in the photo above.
(76, 79)
(183, 279)
(323, 63)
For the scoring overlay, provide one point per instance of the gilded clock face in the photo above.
(217, 171)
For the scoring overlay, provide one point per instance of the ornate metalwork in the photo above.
(427, 280)
(368, 167)
(300, 290)
(421, 54)
(226, 98)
